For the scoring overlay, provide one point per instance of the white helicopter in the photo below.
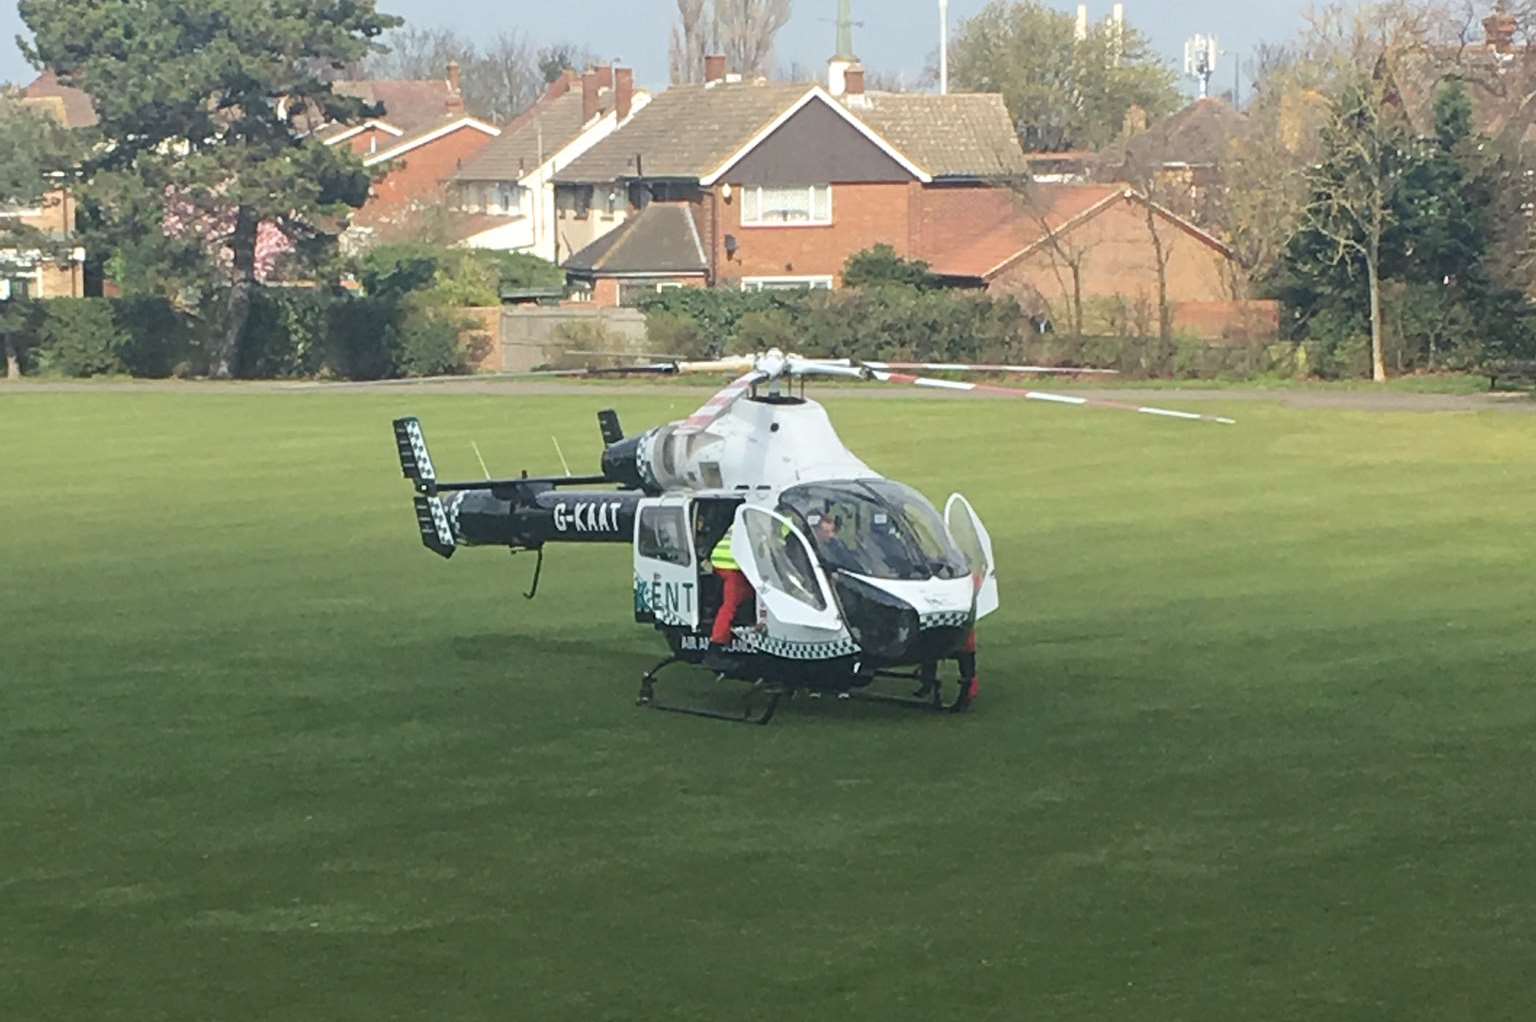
(855, 577)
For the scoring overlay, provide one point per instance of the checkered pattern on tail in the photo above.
(415, 461)
(436, 531)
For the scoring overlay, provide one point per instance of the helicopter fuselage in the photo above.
(852, 574)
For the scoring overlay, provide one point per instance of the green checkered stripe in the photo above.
(946, 619)
(787, 650)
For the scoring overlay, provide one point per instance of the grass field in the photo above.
(1256, 736)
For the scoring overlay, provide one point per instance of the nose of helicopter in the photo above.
(907, 621)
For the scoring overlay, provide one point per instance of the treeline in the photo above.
(407, 320)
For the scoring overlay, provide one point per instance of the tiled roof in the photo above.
(525, 145)
(689, 131)
(407, 105)
(686, 132)
(423, 133)
(977, 230)
(660, 239)
(79, 108)
(1199, 134)
(958, 135)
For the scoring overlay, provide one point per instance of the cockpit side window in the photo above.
(782, 558)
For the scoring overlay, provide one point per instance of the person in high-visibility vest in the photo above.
(737, 590)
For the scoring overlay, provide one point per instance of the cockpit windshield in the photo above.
(876, 528)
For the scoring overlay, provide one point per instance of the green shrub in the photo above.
(286, 335)
(159, 339)
(674, 333)
(880, 266)
(424, 341)
(358, 335)
(467, 278)
(80, 337)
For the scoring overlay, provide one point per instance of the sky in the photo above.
(896, 35)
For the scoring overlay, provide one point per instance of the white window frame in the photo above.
(497, 195)
(810, 191)
(810, 282)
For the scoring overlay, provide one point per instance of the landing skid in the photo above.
(761, 692)
(929, 694)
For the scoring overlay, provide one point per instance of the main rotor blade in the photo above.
(812, 367)
(952, 367)
(721, 403)
(1036, 395)
(655, 369)
(733, 364)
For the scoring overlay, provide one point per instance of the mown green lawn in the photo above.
(1257, 738)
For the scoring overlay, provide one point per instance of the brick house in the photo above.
(782, 183)
(28, 274)
(1050, 245)
(507, 191)
(418, 143)
(1179, 157)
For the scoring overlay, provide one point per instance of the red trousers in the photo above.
(737, 591)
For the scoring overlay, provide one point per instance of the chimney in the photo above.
(1500, 29)
(623, 91)
(604, 76)
(455, 102)
(714, 68)
(589, 90)
(853, 85)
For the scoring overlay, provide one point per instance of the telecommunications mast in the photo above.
(1200, 55)
(943, 47)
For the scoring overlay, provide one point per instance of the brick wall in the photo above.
(607, 291)
(1119, 269)
(56, 217)
(418, 176)
(863, 215)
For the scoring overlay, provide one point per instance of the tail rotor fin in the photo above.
(436, 531)
(608, 422)
(415, 459)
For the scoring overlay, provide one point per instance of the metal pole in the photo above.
(944, 47)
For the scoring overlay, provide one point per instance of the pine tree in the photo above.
(200, 108)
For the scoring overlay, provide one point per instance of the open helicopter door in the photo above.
(975, 543)
(791, 587)
(666, 564)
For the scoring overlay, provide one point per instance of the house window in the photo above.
(504, 197)
(575, 200)
(810, 206)
(821, 283)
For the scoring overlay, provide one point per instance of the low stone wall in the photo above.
(533, 337)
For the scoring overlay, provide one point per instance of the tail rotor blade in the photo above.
(1036, 395)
